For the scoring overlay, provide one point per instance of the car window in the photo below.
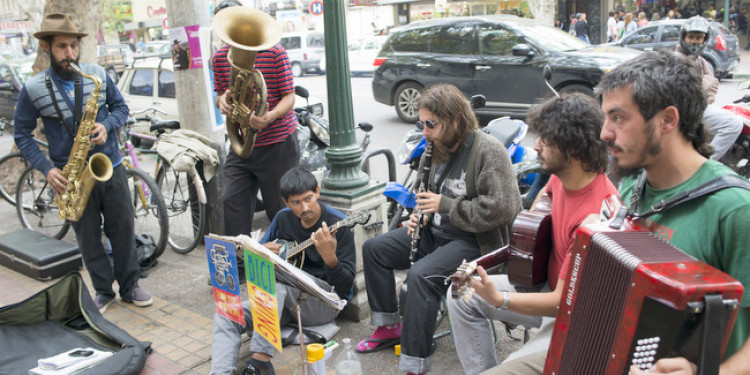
(291, 42)
(454, 39)
(166, 84)
(355, 46)
(142, 83)
(494, 41)
(411, 41)
(642, 36)
(315, 41)
(372, 44)
(670, 33)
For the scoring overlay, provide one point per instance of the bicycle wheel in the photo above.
(149, 209)
(11, 167)
(36, 208)
(187, 216)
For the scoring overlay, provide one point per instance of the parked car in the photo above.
(150, 82)
(722, 51)
(498, 56)
(114, 58)
(154, 48)
(362, 54)
(13, 74)
(305, 51)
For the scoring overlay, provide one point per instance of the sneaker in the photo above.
(138, 297)
(256, 367)
(102, 302)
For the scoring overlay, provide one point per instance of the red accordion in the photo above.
(631, 298)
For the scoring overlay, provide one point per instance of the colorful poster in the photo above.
(186, 47)
(261, 289)
(222, 265)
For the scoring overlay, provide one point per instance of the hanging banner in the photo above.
(261, 289)
(186, 47)
(222, 265)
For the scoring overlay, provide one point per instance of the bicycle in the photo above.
(183, 191)
(149, 209)
(11, 167)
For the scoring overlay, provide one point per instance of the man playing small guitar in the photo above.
(570, 149)
(330, 261)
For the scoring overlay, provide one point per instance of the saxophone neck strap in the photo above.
(79, 98)
(48, 83)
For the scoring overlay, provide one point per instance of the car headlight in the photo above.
(317, 109)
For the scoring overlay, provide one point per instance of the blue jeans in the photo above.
(437, 260)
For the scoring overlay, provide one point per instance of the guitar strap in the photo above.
(718, 183)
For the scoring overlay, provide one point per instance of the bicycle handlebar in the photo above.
(147, 109)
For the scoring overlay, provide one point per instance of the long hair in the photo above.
(662, 79)
(452, 110)
(572, 123)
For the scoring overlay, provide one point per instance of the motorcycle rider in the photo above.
(723, 125)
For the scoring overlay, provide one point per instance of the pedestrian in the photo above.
(642, 21)
(582, 28)
(611, 27)
(628, 25)
(275, 150)
(109, 204)
(469, 198)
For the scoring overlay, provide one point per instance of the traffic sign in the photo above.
(316, 7)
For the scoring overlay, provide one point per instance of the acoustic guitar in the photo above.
(526, 255)
(289, 249)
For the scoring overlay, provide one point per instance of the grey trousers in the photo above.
(471, 329)
(227, 334)
(725, 128)
(530, 359)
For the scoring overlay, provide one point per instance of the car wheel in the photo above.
(112, 73)
(407, 99)
(578, 88)
(297, 69)
(321, 71)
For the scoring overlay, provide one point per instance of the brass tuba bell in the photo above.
(247, 31)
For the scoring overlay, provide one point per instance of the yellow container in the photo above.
(397, 349)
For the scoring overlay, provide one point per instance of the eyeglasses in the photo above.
(429, 123)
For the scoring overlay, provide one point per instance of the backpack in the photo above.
(60, 318)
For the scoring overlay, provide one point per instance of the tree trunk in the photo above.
(86, 15)
(543, 11)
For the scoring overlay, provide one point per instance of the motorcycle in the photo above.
(509, 132)
(738, 156)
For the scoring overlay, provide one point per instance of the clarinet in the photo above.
(423, 182)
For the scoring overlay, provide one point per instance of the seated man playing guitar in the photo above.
(330, 261)
(570, 149)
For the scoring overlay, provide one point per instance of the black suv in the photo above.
(500, 57)
(722, 51)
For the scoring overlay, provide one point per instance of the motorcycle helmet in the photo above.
(695, 24)
(226, 4)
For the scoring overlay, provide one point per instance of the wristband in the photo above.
(506, 301)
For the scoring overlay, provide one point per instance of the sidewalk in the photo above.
(179, 323)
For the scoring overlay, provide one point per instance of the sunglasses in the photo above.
(429, 123)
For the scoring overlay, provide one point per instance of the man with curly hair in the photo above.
(570, 150)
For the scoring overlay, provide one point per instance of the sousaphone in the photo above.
(247, 31)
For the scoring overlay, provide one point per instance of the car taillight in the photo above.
(379, 61)
(721, 43)
(305, 55)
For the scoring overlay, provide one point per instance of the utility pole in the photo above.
(193, 91)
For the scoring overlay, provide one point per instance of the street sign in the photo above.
(316, 7)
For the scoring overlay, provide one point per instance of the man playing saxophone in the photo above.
(53, 96)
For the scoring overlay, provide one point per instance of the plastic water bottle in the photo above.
(348, 363)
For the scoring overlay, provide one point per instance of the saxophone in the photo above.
(81, 175)
(424, 181)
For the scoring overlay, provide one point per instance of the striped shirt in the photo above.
(277, 72)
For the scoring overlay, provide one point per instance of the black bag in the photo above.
(145, 248)
(60, 318)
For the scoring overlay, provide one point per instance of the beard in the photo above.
(66, 74)
(651, 148)
(440, 152)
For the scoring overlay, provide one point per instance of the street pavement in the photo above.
(179, 322)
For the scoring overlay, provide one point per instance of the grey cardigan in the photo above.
(492, 199)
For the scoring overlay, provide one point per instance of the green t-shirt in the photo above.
(713, 228)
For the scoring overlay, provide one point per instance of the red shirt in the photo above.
(569, 208)
(277, 72)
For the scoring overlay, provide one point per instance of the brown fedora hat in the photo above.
(58, 24)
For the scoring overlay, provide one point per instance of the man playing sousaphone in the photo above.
(275, 147)
(53, 95)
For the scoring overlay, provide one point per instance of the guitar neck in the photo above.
(495, 258)
(308, 242)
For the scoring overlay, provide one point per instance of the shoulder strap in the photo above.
(48, 83)
(79, 97)
(718, 183)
